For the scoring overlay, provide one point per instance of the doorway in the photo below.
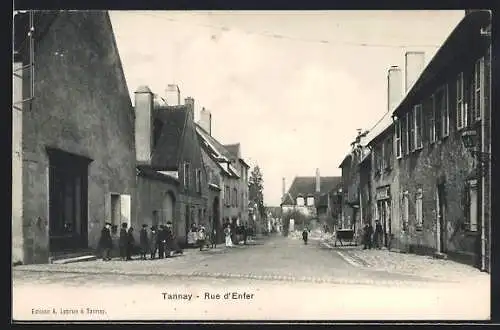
(441, 219)
(68, 201)
(384, 215)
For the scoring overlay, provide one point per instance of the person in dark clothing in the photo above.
(305, 235)
(169, 240)
(105, 242)
(153, 242)
(161, 239)
(130, 243)
(213, 238)
(144, 241)
(245, 234)
(377, 236)
(368, 231)
(123, 241)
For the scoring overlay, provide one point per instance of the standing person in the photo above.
(368, 236)
(227, 233)
(377, 236)
(201, 237)
(130, 243)
(213, 238)
(169, 240)
(305, 235)
(105, 242)
(161, 242)
(123, 241)
(245, 234)
(144, 241)
(153, 242)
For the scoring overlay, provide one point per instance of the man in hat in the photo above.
(123, 241)
(105, 242)
(377, 236)
(161, 239)
(153, 242)
(144, 241)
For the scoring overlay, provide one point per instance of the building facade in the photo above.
(444, 187)
(73, 133)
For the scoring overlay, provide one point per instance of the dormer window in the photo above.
(300, 201)
(310, 201)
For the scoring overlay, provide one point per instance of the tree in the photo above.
(256, 189)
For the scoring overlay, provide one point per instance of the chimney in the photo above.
(414, 65)
(318, 181)
(394, 87)
(173, 95)
(143, 124)
(283, 188)
(206, 120)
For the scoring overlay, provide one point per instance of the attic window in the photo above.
(310, 201)
(300, 201)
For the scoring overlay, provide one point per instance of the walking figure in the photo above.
(305, 234)
(213, 238)
(123, 241)
(227, 233)
(368, 231)
(106, 242)
(201, 237)
(144, 241)
(162, 240)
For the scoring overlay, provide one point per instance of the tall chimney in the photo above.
(173, 95)
(189, 102)
(283, 188)
(318, 181)
(394, 87)
(206, 120)
(143, 124)
(414, 65)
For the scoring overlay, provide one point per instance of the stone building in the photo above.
(73, 133)
(172, 183)
(445, 187)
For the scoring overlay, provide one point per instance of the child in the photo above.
(144, 241)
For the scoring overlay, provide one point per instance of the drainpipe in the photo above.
(483, 190)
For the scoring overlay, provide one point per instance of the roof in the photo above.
(346, 159)
(150, 172)
(306, 185)
(143, 89)
(381, 127)
(322, 201)
(464, 38)
(166, 153)
(287, 199)
(233, 149)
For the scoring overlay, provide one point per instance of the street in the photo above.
(275, 278)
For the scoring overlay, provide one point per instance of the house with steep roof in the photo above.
(172, 184)
(73, 134)
(225, 162)
(304, 195)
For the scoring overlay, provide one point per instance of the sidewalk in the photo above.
(406, 263)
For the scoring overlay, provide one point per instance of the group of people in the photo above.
(160, 240)
(371, 237)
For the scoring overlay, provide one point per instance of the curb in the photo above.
(266, 277)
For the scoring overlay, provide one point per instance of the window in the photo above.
(461, 106)
(186, 175)
(235, 197)
(227, 196)
(198, 180)
(377, 154)
(404, 136)
(441, 113)
(419, 209)
(397, 127)
(445, 113)
(411, 131)
(417, 122)
(432, 120)
(388, 147)
(405, 211)
(476, 89)
(310, 201)
(300, 201)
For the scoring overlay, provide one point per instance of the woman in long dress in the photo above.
(227, 232)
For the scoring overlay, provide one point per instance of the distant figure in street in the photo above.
(213, 238)
(123, 241)
(245, 234)
(377, 236)
(169, 240)
(227, 234)
(305, 235)
(130, 243)
(105, 242)
(153, 242)
(144, 241)
(367, 236)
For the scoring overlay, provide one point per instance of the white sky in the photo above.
(295, 102)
